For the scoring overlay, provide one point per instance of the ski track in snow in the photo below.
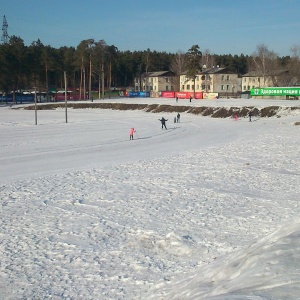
(123, 230)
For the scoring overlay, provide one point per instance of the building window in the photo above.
(228, 77)
(167, 87)
(222, 87)
(203, 86)
(208, 87)
(203, 77)
(188, 87)
(227, 87)
(222, 77)
(183, 87)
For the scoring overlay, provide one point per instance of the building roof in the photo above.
(160, 73)
(260, 74)
(214, 70)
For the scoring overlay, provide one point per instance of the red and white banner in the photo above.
(168, 94)
(187, 95)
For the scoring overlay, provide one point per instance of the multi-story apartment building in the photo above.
(255, 79)
(214, 80)
(155, 81)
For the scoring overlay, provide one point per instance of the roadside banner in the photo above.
(210, 96)
(276, 91)
(168, 94)
(187, 95)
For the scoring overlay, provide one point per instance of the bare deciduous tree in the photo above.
(294, 65)
(207, 59)
(265, 62)
(178, 66)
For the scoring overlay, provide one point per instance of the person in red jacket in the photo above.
(131, 133)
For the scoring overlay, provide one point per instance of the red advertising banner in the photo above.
(183, 95)
(167, 94)
(198, 95)
(187, 95)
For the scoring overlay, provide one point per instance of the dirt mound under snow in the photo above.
(214, 112)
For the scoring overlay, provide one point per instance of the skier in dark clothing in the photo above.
(178, 117)
(163, 122)
(250, 115)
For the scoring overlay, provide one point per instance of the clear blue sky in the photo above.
(221, 26)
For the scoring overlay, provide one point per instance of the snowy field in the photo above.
(208, 209)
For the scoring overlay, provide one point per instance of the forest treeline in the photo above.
(94, 65)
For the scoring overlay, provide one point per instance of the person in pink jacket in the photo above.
(131, 133)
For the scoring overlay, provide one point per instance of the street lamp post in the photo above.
(146, 82)
(66, 104)
(35, 106)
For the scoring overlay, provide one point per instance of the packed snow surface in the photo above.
(208, 209)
